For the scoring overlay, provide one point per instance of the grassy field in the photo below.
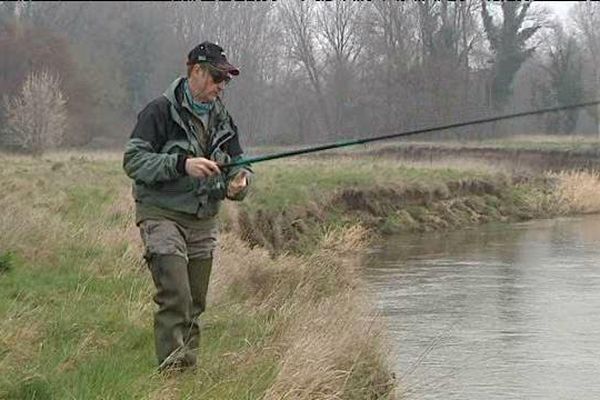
(541, 143)
(76, 309)
(522, 142)
(75, 296)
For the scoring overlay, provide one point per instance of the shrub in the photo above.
(36, 118)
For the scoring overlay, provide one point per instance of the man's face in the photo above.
(207, 84)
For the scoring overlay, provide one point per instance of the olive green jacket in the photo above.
(163, 138)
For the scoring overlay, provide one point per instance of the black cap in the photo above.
(214, 54)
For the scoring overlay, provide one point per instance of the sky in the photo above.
(560, 8)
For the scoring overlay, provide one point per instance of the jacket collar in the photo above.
(171, 92)
(174, 94)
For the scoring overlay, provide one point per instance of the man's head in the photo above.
(208, 71)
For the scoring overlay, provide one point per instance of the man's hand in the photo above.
(200, 167)
(237, 184)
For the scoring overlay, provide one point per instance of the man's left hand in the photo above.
(237, 184)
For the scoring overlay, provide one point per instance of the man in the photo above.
(173, 156)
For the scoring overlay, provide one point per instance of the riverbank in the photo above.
(287, 316)
(296, 202)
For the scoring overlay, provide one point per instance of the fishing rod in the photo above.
(254, 160)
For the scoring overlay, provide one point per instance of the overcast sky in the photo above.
(560, 8)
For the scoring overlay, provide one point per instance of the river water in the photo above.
(496, 312)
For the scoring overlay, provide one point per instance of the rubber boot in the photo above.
(174, 300)
(199, 277)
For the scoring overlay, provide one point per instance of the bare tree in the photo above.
(587, 20)
(309, 69)
(298, 27)
(36, 119)
(447, 38)
(564, 84)
(388, 52)
(508, 42)
(246, 33)
(8, 12)
(339, 28)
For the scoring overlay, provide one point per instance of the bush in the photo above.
(36, 118)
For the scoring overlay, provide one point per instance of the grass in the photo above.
(75, 296)
(286, 184)
(578, 192)
(517, 142)
(532, 142)
(547, 142)
(7, 261)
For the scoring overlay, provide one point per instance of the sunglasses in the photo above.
(218, 75)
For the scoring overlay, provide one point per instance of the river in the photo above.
(507, 311)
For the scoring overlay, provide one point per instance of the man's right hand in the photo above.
(200, 167)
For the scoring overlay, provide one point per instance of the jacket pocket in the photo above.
(179, 185)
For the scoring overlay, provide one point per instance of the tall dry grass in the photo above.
(577, 192)
(333, 351)
(271, 283)
(331, 346)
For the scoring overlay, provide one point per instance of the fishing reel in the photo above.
(215, 187)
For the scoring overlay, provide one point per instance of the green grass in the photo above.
(76, 317)
(7, 261)
(76, 308)
(86, 348)
(281, 185)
